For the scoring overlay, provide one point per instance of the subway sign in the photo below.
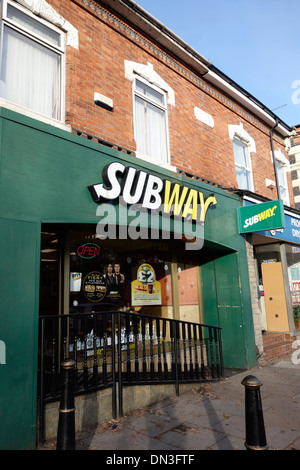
(151, 192)
(260, 217)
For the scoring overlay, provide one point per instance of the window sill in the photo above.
(153, 161)
(34, 115)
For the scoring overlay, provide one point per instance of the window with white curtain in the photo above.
(243, 146)
(282, 182)
(242, 164)
(150, 116)
(31, 61)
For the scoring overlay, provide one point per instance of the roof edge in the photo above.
(133, 12)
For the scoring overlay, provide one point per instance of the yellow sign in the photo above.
(145, 290)
(153, 193)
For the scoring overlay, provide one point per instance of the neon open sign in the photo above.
(88, 250)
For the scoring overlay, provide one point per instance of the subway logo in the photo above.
(152, 192)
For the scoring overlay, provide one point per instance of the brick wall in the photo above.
(105, 42)
(256, 311)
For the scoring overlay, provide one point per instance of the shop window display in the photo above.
(111, 274)
(293, 263)
(103, 276)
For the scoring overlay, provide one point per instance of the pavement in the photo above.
(210, 417)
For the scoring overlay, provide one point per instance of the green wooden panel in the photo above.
(226, 298)
(230, 310)
(19, 287)
(209, 299)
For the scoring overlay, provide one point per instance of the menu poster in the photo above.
(94, 286)
(145, 290)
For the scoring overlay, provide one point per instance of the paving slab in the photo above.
(210, 417)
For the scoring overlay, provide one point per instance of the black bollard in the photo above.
(255, 428)
(66, 420)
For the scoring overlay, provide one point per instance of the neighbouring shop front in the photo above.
(277, 254)
(60, 198)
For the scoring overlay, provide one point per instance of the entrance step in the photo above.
(277, 345)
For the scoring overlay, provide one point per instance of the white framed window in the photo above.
(282, 166)
(243, 145)
(243, 167)
(151, 97)
(150, 122)
(31, 61)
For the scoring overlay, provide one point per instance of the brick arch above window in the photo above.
(238, 131)
(279, 156)
(147, 72)
(47, 12)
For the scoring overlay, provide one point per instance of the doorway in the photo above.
(274, 294)
(273, 288)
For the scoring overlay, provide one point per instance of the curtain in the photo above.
(30, 74)
(243, 174)
(283, 193)
(150, 124)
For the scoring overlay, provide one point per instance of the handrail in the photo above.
(127, 348)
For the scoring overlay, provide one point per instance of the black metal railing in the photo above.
(125, 348)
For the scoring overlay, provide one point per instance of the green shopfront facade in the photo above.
(50, 182)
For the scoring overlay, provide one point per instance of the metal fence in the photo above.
(124, 348)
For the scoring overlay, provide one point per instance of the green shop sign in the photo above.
(260, 217)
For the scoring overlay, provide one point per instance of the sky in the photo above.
(254, 42)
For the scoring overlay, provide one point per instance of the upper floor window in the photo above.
(151, 97)
(282, 166)
(282, 182)
(243, 145)
(242, 164)
(32, 56)
(150, 121)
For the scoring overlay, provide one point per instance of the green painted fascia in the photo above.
(115, 154)
(45, 173)
(19, 315)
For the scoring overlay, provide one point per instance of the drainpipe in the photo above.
(273, 156)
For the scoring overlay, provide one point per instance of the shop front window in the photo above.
(293, 263)
(108, 276)
(114, 275)
(187, 280)
(88, 281)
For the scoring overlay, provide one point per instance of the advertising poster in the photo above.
(115, 281)
(75, 282)
(94, 286)
(145, 290)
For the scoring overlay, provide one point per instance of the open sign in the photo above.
(88, 250)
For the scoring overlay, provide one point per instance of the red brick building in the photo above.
(210, 128)
(110, 44)
(87, 76)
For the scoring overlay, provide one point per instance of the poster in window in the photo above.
(115, 281)
(94, 286)
(145, 290)
(75, 282)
